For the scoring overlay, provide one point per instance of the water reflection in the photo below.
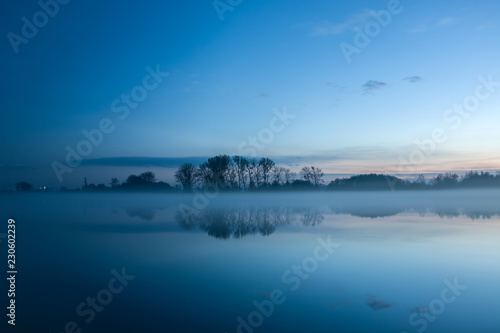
(233, 216)
(442, 211)
(236, 222)
(312, 216)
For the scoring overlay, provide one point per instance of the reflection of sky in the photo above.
(384, 268)
(369, 265)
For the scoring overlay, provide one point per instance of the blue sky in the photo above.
(228, 78)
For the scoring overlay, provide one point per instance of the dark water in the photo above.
(322, 262)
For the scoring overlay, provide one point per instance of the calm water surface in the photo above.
(301, 262)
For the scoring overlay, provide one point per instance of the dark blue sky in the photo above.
(231, 79)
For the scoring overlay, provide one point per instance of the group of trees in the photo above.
(145, 181)
(472, 179)
(239, 173)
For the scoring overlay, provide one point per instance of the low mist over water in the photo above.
(346, 262)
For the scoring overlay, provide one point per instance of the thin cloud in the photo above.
(372, 85)
(165, 162)
(337, 87)
(420, 309)
(446, 21)
(486, 26)
(426, 26)
(413, 79)
(376, 304)
(263, 95)
(423, 27)
(327, 28)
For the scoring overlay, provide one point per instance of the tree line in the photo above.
(239, 173)
(367, 182)
(243, 174)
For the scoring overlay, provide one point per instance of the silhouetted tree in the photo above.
(148, 177)
(289, 176)
(232, 176)
(313, 175)
(306, 174)
(253, 174)
(146, 181)
(241, 164)
(368, 182)
(90, 187)
(24, 187)
(278, 174)
(134, 181)
(186, 175)
(448, 180)
(317, 176)
(114, 182)
(266, 165)
(218, 167)
(204, 175)
(299, 184)
(478, 179)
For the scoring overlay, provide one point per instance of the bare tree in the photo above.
(204, 175)
(114, 182)
(317, 176)
(307, 174)
(215, 171)
(312, 175)
(266, 165)
(278, 175)
(148, 177)
(253, 174)
(231, 176)
(242, 165)
(186, 175)
(289, 176)
(24, 187)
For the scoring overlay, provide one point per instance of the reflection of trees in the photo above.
(312, 217)
(473, 214)
(371, 212)
(238, 222)
(368, 210)
(235, 222)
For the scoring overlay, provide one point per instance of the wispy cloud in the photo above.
(485, 26)
(336, 86)
(327, 28)
(376, 304)
(426, 26)
(413, 79)
(263, 95)
(133, 161)
(372, 85)
(422, 27)
(446, 21)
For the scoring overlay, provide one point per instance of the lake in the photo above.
(275, 262)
